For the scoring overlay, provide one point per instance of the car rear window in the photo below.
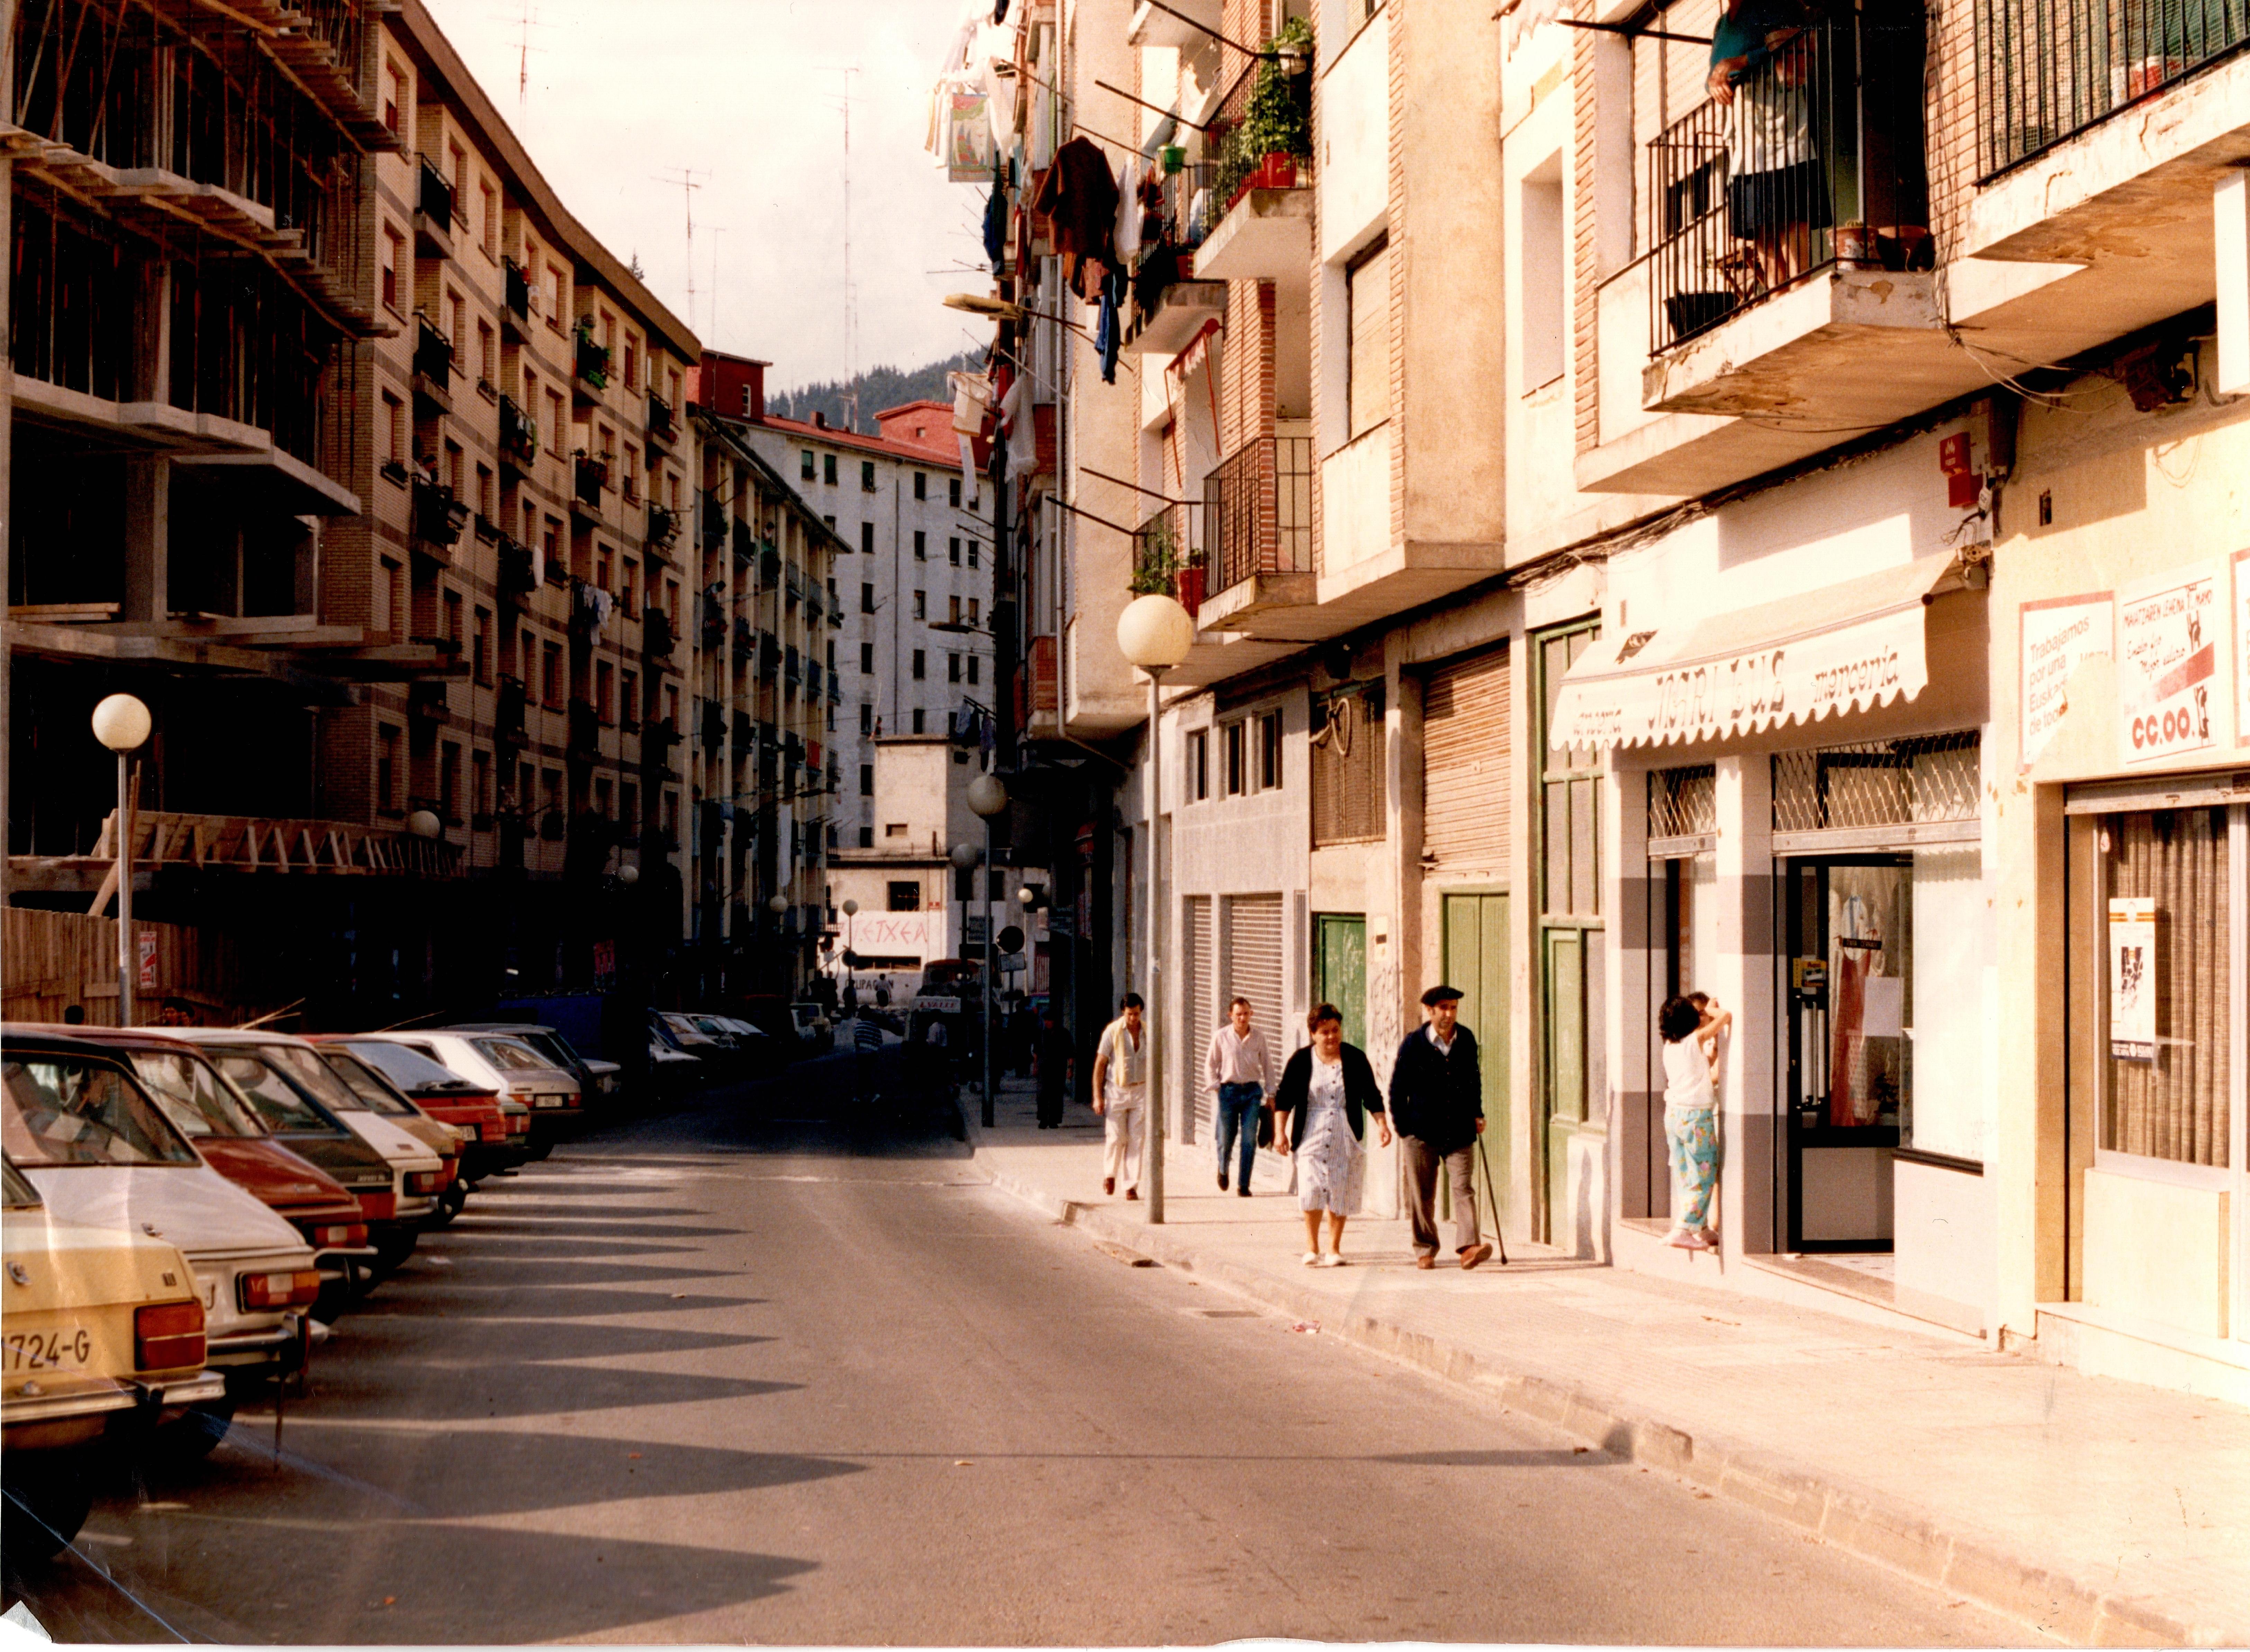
(508, 1055)
(409, 1069)
(193, 1096)
(309, 1073)
(368, 1086)
(279, 1104)
(63, 1111)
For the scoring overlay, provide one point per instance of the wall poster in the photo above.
(2170, 636)
(2132, 978)
(2055, 636)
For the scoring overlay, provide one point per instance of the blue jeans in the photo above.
(1237, 1112)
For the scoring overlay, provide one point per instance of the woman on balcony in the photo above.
(1763, 63)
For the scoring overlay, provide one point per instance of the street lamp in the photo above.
(628, 875)
(851, 950)
(1155, 633)
(425, 824)
(988, 800)
(122, 722)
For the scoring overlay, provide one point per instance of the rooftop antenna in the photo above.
(685, 178)
(524, 23)
(851, 396)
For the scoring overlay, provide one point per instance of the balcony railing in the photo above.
(1263, 98)
(1257, 513)
(1817, 161)
(661, 426)
(589, 476)
(518, 578)
(433, 351)
(519, 290)
(438, 517)
(663, 525)
(592, 361)
(745, 544)
(2046, 69)
(518, 436)
(433, 199)
(715, 520)
(508, 720)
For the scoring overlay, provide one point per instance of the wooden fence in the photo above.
(52, 960)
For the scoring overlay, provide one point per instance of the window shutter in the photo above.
(1465, 763)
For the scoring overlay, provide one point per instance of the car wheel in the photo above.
(540, 1149)
(449, 1204)
(48, 1494)
(195, 1433)
(390, 1250)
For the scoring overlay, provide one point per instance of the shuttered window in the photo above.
(1198, 1016)
(1253, 957)
(1465, 763)
(1368, 391)
(1347, 764)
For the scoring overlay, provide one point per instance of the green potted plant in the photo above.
(1277, 127)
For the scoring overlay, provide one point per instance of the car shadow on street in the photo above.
(519, 1388)
(565, 1302)
(447, 1341)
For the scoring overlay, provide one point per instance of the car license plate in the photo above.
(547, 1101)
(60, 1348)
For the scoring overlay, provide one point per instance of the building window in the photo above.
(953, 667)
(487, 360)
(953, 492)
(1347, 764)
(905, 895)
(806, 473)
(953, 551)
(866, 475)
(973, 621)
(828, 468)
(953, 611)
(1269, 751)
(922, 484)
(394, 429)
(1197, 780)
(605, 684)
(550, 681)
(393, 255)
(1235, 770)
(918, 718)
(480, 792)
(867, 659)
(972, 553)
(1543, 274)
(1367, 353)
(489, 200)
(972, 671)
(628, 803)
(920, 665)
(866, 779)
(602, 792)
(449, 783)
(867, 837)
(921, 546)
(922, 606)
(629, 699)
(393, 99)
(633, 362)
(866, 596)
(386, 769)
(867, 538)
(480, 663)
(866, 717)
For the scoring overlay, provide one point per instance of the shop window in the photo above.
(1347, 764)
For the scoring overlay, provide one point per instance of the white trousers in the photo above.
(1124, 1131)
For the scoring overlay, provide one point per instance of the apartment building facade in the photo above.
(1625, 623)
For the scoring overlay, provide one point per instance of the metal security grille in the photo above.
(1347, 764)
(1871, 785)
(1465, 763)
(1197, 1016)
(1683, 802)
(1254, 958)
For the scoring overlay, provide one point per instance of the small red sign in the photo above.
(1964, 492)
(1953, 454)
(147, 940)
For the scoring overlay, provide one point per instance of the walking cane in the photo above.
(1492, 1191)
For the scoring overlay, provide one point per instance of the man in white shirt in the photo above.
(1238, 1075)
(1121, 1094)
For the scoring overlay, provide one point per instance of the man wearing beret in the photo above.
(1436, 1105)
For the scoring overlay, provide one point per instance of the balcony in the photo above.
(434, 210)
(1167, 25)
(714, 620)
(590, 362)
(745, 544)
(589, 477)
(657, 641)
(438, 518)
(715, 520)
(434, 363)
(663, 525)
(662, 428)
(1261, 140)
(508, 721)
(585, 730)
(1038, 690)
(715, 725)
(812, 677)
(426, 703)
(1181, 312)
(518, 575)
(1256, 549)
(518, 436)
(515, 316)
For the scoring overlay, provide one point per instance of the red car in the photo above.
(226, 1132)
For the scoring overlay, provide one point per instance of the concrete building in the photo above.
(1594, 523)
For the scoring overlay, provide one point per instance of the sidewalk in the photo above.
(2098, 1511)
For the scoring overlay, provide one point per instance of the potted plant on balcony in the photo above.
(1276, 129)
(1159, 569)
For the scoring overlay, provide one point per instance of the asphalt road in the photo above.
(736, 1375)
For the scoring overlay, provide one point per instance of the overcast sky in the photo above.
(746, 92)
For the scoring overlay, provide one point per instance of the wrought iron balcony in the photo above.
(585, 730)
(661, 426)
(1816, 161)
(438, 517)
(1257, 513)
(518, 436)
(433, 352)
(508, 720)
(590, 360)
(433, 195)
(715, 520)
(518, 576)
(519, 292)
(589, 475)
(663, 525)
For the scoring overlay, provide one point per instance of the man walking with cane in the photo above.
(1437, 1106)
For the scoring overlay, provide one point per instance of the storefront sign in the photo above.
(2056, 636)
(2133, 978)
(2170, 632)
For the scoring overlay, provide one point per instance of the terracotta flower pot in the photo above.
(1187, 586)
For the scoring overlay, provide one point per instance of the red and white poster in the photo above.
(2057, 635)
(2172, 638)
(147, 939)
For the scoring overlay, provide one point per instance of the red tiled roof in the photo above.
(940, 449)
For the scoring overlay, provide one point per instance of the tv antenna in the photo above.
(851, 396)
(526, 22)
(686, 177)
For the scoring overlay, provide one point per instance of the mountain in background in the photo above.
(883, 387)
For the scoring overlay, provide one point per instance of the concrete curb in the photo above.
(1872, 1525)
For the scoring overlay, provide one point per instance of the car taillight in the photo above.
(168, 1336)
(496, 1132)
(344, 1235)
(518, 1122)
(292, 1289)
(424, 1181)
(378, 1207)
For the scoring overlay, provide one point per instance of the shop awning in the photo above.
(1845, 647)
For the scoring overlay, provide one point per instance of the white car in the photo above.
(507, 1066)
(100, 1151)
(254, 1058)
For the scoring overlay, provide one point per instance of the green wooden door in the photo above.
(1342, 959)
(1476, 962)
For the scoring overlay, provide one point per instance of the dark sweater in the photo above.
(1436, 1097)
(1362, 1095)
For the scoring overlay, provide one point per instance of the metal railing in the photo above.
(1817, 160)
(518, 436)
(433, 199)
(2048, 69)
(1257, 513)
(433, 351)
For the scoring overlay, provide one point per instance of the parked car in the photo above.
(443, 1094)
(673, 1071)
(99, 1150)
(510, 1068)
(287, 1073)
(596, 1077)
(102, 1327)
(814, 1029)
(225, 1129)
(449, 1141)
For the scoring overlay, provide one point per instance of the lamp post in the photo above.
(988, 800)
(850, 911)
(964, 856)
(122, 722)
(1155, 633)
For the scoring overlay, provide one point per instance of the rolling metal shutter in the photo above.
(1253, 959)
(1196, 1019)
(1465, 763)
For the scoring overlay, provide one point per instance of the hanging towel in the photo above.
(1126, 232)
